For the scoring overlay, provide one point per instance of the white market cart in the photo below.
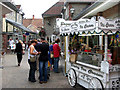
(87, 74)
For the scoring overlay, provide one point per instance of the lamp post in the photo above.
(72, 10)
(1, 23)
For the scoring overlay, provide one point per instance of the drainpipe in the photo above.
(1, 23)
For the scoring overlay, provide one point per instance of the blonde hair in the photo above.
(20, 42)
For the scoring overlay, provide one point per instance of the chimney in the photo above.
(33, 17)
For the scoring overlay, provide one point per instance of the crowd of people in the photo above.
(40, 54)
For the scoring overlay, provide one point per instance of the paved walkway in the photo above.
(17, 77)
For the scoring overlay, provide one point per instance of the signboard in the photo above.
(108, 24)
(76, 26)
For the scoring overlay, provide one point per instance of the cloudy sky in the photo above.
(35, 7)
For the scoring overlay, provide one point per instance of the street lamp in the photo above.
(72, 10)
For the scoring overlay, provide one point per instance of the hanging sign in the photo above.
(76, 26)
(108, 24)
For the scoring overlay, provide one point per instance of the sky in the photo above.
(35, 7)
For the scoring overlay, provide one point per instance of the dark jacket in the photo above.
(19, 48)
(44, 48)
(37, 47)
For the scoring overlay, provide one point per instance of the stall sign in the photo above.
(108, 24)
(76, 26)
(115, 68)
(88, 71)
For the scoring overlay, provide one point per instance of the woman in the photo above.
(50, 54)
(19, 51)
(32, 53)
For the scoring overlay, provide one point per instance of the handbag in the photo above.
(51, 55)
(32, 59)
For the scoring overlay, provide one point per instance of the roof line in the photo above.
(49, 8)
(93, 6)
(12, 6)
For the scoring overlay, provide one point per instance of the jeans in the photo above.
(32, 70)
(56, 60)
(43, 65)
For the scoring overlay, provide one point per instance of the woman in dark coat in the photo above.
(19, 51)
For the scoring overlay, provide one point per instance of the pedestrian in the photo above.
(38, 50)
(28, 44)
(56, 51)
(19, 51)
(50, 55)
(11, 45)
(31, 54)
(16, 41)
(43, 61)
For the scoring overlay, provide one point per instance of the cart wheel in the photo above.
(96, 84)
(72, 79)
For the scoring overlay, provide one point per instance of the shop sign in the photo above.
(115, 68)
(76, 26)
(108, 24)
(88, 71)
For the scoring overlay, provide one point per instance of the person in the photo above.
(43, 61)
(19, 51)
(29, 43)
(11, 45)
(17, 41)
(50, 55)
(38, 50)
(32, 53)
(56, 52)
(11, 42)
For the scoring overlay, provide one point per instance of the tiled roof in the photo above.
(35, 22)
(54, 10)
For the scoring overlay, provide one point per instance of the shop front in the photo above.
(91, 51)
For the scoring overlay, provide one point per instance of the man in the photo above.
(16, 40)
(12, 45)
(37, 47)
(56, 51)
(43, 61)
(11, 42)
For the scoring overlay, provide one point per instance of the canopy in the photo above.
(19, 26)
(88, 26)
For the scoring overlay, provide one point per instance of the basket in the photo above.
(73, 58)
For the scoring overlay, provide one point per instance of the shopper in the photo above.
(37, 47)
(17, 41)
(19, 51)
(51, 55)
(11, 45)
(32, 54)
(56, 51)
(43, 61)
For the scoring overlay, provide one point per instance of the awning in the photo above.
(88, 26)
(98, 6)
(18, 25)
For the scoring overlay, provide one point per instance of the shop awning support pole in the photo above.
(106, 44)
(66, 53)
(1, 23)
(88, 41)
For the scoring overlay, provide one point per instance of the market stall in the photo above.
(92, 52)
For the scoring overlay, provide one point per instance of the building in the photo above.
(49, 20)
(4, 9)
(13, 25)
(73, 7)
(34, 25)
